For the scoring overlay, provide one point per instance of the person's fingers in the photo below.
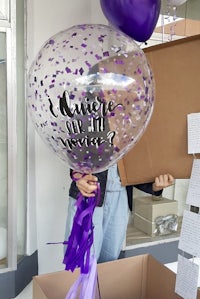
(164, 180)
(158, 181)
(168, 180)
(87, 185)
(171, 179)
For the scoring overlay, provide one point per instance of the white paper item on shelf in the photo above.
(193, 194)
(187, 278)
(193, 125)
(189, 240)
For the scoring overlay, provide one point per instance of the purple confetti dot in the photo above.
(120, 108)
(88, 64)
(51, 42)
(81, 71)
(72, 96)
(75, 72)
(119, 61)
(117, 149)
(68, 70)
(98, 57)
(137, 107)
(106, 54)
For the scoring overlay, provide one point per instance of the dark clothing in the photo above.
(102, 178)
(146, 187)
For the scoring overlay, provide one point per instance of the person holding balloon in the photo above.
(111, 216)
(91, 96)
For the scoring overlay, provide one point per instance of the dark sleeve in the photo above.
(147, 187)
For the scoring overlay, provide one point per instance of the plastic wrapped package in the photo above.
(166, 224)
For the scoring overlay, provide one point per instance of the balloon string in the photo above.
(81, 237)
(79, 243)
(86, 285)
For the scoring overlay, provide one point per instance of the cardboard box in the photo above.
(139, 277)
(163, 147)
(146, 210)
(147, 227)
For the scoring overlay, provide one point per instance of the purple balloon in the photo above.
(136, 18)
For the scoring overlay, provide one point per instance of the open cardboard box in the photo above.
(139, 277)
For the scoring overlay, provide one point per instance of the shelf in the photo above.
(135, 237)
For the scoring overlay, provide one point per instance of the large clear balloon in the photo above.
(136, 18)
(90, 95)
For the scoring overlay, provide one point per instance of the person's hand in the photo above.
(162, 181)
(86, 184)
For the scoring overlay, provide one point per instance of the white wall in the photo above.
(48, 177)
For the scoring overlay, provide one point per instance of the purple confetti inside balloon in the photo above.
(87, 80)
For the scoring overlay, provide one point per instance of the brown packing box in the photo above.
(146, 210)
(139, 277)
(163, 146)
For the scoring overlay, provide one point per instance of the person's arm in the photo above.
(148, 188)
(156, 187)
